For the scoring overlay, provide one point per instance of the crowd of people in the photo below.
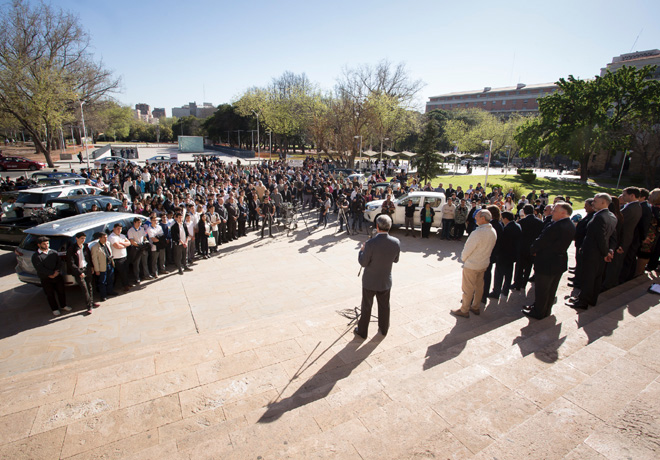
(615, 241)
(192, 209)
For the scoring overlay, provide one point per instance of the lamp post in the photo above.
(239, 138)
(270, 145)
(360, 149)
(623, 163)
(258, 148)
(490, 155)
(381, 146)
(82, 116)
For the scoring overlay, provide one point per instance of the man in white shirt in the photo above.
(119, 243)
(139, 250)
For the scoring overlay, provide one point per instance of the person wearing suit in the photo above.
(580, 233)
(531, 227)
(79, 265)
(632, 214)
(104, 266)
(550, 260)
(497, 225)
(376, 256)
(49, 269)
(509, 254)
(179, 234)
(596, 251)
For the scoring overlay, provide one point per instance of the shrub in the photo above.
(528, 177)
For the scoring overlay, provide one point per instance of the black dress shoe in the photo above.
(527, 313)
(355, 331)
(492, 295)
(572, 279)
(578, 306)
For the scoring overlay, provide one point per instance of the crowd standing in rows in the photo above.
(192, 209)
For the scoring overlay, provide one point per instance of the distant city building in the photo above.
(143, 112)
(205, 110)
(521, 98)
(158, 113)
(638, 59)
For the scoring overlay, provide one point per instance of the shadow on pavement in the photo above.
(320, 384)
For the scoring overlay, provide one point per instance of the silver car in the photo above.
(62, 235)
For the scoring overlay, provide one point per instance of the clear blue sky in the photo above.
(171, 52)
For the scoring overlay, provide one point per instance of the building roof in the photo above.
(505, 88)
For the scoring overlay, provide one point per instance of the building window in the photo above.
(494, 102)
(503, 102)
(525, 101)
(484, 102)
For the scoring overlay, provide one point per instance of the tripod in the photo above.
(341, 216)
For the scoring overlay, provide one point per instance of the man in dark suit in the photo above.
(633, 213)
(79, 265)
(596, 251)
(550, 260)
(580, 233)
(531, 228)
(49, 269)
(377, 256)
(179, 235)
(509, 254)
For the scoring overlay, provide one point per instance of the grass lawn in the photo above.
(577, 191)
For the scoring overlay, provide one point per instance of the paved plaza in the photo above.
(252, 356)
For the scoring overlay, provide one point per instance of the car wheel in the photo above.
(33, 168)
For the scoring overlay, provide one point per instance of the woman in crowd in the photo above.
(426, 217)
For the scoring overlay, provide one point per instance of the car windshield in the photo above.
(63, 209)
(35, 198)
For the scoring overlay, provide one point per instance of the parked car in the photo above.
(36, 198)
(10, 163)
(161, 159)
(112, 161)
(62, 235)
(12, 231)
(357, 178)
(437, 200)
(71, 179)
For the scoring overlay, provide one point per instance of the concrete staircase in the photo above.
(496, 386)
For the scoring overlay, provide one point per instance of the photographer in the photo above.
(266, 211)
(343, 207)
(357, 209)
(139, 250)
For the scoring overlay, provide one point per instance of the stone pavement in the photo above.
(252, 356)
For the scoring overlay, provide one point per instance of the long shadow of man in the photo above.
(320, 384)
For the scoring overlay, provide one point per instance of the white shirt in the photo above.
(137, 235)
(114, 238)
(155, 232)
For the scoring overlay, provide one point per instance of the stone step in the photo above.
(347, 404)
(386, 377)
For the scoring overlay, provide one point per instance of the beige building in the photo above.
(521, 98)
(638, 59)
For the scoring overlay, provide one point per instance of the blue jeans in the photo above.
(446, 227)
(106, 282)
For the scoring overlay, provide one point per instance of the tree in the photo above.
(46, 69)
(428, 160)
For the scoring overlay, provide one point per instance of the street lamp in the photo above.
(270, 145)
(490, 155)
(381, 146)
(360, 149)
(258, 148)
(82, 115)
(623, 163)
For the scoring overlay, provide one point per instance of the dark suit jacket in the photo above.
(632, 213)
(550, 247)
(600, 236)
(581, 229)
(175, 233)
(380, 252)
(46, 264)
(510, 242)
(499, 228)
(73, 264)
(531, 229)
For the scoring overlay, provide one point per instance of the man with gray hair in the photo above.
(377, 256)
(597, 249)
(476, 258)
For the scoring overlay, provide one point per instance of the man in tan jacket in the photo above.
(476, 257)
(104, 266)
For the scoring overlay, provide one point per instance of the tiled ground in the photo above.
(252, 356)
